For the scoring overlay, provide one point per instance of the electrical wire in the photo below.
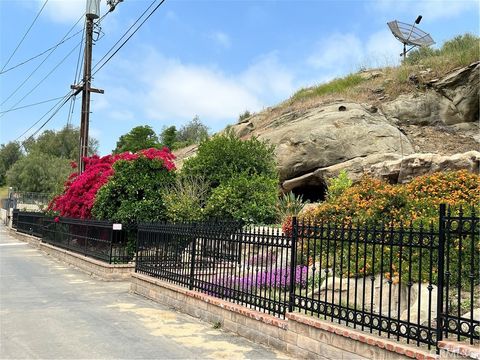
(61, 103)
(35, 70)
(42, 53)
(128, 38)
(43, 79)
(25, 35)
(54, 108)
(30, 105)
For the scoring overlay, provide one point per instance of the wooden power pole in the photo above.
(85, 88)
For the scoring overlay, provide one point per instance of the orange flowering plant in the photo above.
(373, 207)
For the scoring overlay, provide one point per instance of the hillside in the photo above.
(394, 123)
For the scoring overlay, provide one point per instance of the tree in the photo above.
(62, 144)
(241, 176)
(38, 172)
(47, 163)
(225, 156)
(193, 132)
(9, 155)
(168, 136)
(134, 192)
(139, 138)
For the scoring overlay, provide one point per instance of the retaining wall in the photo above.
(299, 335)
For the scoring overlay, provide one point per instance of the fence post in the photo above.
(293, 256)
(192, 260)
(111, 244)
(441, 271)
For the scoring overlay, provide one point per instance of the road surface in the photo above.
(49, 310)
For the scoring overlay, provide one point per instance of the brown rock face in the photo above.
(433, 129)
(327, 136)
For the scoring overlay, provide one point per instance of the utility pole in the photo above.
(93, 11)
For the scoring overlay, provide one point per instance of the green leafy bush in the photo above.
(461, 50)
(250, 198)
(134, 192)
(184, 200)
(225, 156)
(289, 205)
(336, 186)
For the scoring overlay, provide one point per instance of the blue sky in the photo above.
(214, 59)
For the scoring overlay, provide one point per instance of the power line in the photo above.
(42, 53)
(25, 35)
(35, 70)
(30, 105)
(62, 102)
(44, 78)
(127, 39)
(50, 118)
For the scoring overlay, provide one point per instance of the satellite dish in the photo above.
(409, 35)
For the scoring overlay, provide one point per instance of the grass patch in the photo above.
(462, 50)
(335, 86)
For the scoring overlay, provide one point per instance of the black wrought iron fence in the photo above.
(15, 218)
(96, 239)
(31, 198)
(29, 222)
(416, 284)
(460, 299)
(248, 266)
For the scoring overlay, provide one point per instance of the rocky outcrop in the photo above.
(391, 167)
(433, 129)
(333, 134)
(451, 100)
(404, 170)
(460, 92)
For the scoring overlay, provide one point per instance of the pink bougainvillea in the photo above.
(79, 194)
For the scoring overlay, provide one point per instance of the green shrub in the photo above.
(185, 199)
(246, 197)
(134, 192)
(244, 116)
(225, 156)
(336, 186)
(462, 50)
(289, 205)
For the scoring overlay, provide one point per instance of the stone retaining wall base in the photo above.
(301, 336)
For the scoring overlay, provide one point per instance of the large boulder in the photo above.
(451, 100)
(405, 169)
(333, 134)
(460, 92)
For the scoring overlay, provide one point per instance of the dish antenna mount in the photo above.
(409, 35)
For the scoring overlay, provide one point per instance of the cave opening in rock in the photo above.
(311, 192)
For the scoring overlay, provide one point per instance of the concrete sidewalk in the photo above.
(49, 310)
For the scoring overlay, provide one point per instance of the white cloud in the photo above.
(268, 79)
(182, 91)
(221, 39)
(343, 53)
(67, 11)
(430, 9)
(382, 49)
(337, 51)
(173, 92)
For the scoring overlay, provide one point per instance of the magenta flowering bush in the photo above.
(80, 191)
(276, 279)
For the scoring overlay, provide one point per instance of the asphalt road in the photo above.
(49, 310)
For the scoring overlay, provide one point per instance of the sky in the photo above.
(211, 59)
